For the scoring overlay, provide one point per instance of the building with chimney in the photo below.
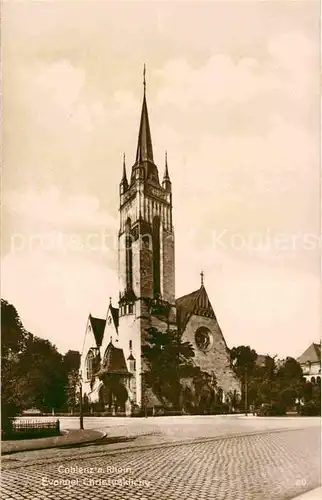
(112, 354)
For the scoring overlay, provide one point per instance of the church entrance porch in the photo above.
(114, 394)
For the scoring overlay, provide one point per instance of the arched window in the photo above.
(89, 365)
(220, 395)
(313, 380)
(156, 255)
(128, 254)
(318, 380)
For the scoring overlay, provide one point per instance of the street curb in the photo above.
(314, 494)
(145, 447)
(71, 444)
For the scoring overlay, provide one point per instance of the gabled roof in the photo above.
(195, 303)
(114, 361)
(115, 315)
(312, 354)
(98, 326)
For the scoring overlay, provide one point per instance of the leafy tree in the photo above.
(43, 381)
(72, 388)
(290, 372)
(13, 342)
(288, 396)
(199, 391)
(71, 364)
(167, 360)
(71, 361)
(243, 359)
(13, 333)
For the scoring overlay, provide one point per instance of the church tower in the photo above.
(145, 247)
(146, 239)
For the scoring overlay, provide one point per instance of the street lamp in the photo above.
(81, 417)
(246, 390)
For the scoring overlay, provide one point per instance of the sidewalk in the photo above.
(69, 438)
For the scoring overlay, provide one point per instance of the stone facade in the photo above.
(216, 358)
(146, 269)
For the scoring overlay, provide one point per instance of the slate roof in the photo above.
(115, 315)
(312, 354)
(144, 150)
(98, 327)
(114, 361)
(195, 303)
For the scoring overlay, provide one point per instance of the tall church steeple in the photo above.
(144, 150)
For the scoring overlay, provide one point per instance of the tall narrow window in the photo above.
(89, 365)
(156, 256)
(128, 250)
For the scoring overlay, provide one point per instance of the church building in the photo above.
(146, 268)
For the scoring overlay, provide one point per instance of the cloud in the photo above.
(287, 70)
(52, 207)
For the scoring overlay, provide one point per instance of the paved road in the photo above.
(167, 429)
(272, 464)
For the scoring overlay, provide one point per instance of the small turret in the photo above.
(166, 183)
(124, 184)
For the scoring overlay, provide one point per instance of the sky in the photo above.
(233, 97)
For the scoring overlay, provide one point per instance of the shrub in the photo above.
(271, 410)
(310, 409)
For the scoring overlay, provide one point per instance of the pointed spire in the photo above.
(124, 182)
(144, 80)
(124, 169)
(144, 150)
(166, 171)
(166, 183)
(202, 277)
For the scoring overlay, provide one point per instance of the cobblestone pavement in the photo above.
(272, 465)
(159, 430)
